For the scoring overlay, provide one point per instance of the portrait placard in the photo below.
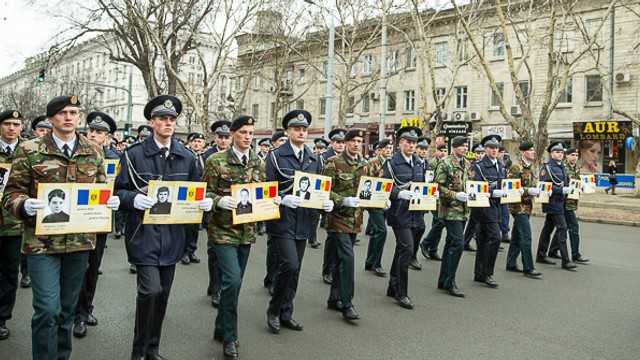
(510, 191)
(73, 208)
(374, 192)
(5, 169)
(478, 192)
(255, 202)
(545, 187)
(429, 176)
(424, 196)
(112, 168)
(314, 189)
(176, 202)
(589, 182)
(575, 186)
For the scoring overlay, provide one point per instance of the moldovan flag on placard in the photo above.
(429, 190)
(513, 185)
(324, 185)
(190, 193)
(544, 187)
(384, 186)
(266, 192)
(482, 188)
(93, 197)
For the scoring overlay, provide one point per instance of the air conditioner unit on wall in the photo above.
(460, 116)
(623, 77)
(515, 110)
(475, 116)
(374, 96)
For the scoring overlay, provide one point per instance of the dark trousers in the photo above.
(551, 222)
(378, 220)
(290, 253)
(215, 277)
(488, 243)
(88, 291)
(191, 232)
(504, 218)
(342, 287)
(9, 264)
(431, 242)
(399, 274)
(573, 227)
(233, 262)
(313, 235)
(452, 253)
(154, 288)
(55, 283)
(330, 254)
(520, 243)
(471, 230)
(272, 262)
(416, 241)
(120, 218)
(369, 227)
(24, 268)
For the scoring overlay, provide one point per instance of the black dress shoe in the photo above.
(273, 323)
(469, 248)
(545, 260)
(133, 269)
(4, 332)
(404, 302)
(91, 320)
(532, 273)
(99, 271)
(356, 241)
(380, 272)
(185, 260)
(391, 292)
(581, 260)
(194, 259)
(230, 350)
(315, 245)
(500, 249)
(514, 269)
(368, 268)
(217, 336)
(291, 324)
(569, 266)
(505, 237)
(25, 282)
(415, 265)
(424, 252)
(555, 256)
(118, 235)
(79, 330)
(334, 305)
(434, 256)
(350, 314)
(454, 291)
(327, 278)
(272, 289)
(215, 300)
(488, 280)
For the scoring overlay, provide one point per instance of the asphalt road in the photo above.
(592, 313)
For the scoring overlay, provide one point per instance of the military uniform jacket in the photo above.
(485, 170)
(40, 161)
(375, 169)
(397, 168)
(281, 164)
(452, 178)
(326, 155)
(554, 172)
(222, 170)
(345, 173)
(573, 172)
(212, 150)
(522, 171)
(148, 244)
(10, 225)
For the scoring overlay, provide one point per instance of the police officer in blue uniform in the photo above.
(195, 144)
(422, 149)
(265, 147)
(554, 171)
(221, 136)
(490, 170)
(154, 249)
(144, 131)
(470, 231)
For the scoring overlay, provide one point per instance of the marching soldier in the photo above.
(422, 150)
(265, 146)
(554, 171)
(57, 263)
(235, 165)
(471, 230)
(429, 245)
(221, 137)
(278, 138)
(320, 145)
(144, 131)
(319, 148)
(196, 143)
(521, 212)
(451, 175)
(154, 249)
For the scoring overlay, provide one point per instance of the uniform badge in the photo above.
(361, 134)
(168, 104)
(494, 139)
(98, 119)
(224, 128)
(250, 121)
(543, 172)
(73, 100)
(301, 117)
(413, 133)
(47, 121)
(341, 134)
(16, 114)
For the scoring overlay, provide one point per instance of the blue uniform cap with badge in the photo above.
(296, 118)
(221, 127)
(337, 134)
(411, 133)
(477, 148)
(129, 140)
(10, 115)
(58, 103)
(41, 121)
(321, 143)
(145, 131)
(264, 142)
(492, 141)
(353, 133)
(101, 121)
(163, 105)
(423, 142)
(557, 145)
(241, 121)
(277, 135)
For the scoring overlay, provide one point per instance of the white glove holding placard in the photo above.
(533, 191)
(351, 202)
(113, 202)
(327, 206)
(567, 190)
(405, 195)
(550, 193)
(387, 205)
(521, 191)
(277, 200)
(462, 196)
(143, 202)
(227, 203)
(32, 205)
(291, 201)
(496, 193)
(437, 194)
(206, 204)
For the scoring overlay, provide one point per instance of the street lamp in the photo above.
(329, 96)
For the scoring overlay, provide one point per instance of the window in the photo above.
(286, 108)
(367, 61)
(524, 87)
(461, 97)
(498, 45)
(240, 83)
(300, 104)
(567, 94)
(192, 59)
(255, 110)
(409, 100)
(391, 102)
(200, 79)
(323, 106)
(223, 84)
(257, 82)
(461, 50)
(392, 62)
(288, 78)
(591, 27)
(272, 110)
(354, 70)
(562, 38)
(411, 61)
(440, 92)
(351, 103)
(441, 53)
(495, 102)
(191, 78)
(365, 103)
(593, 87)
(323, 70)
(301, 76)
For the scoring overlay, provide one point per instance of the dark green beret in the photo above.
(241, 121)
(195, 135)
(525, 145)
(459, 141)
(354, 133)
(277, 135)
(60, 102)
(10, 115)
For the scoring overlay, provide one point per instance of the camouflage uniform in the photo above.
(344, 222)
(430, 243)
(521, 212)
(451, 177)
(378, 220)
(573, 226)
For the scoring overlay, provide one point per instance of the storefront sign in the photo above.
(456, 128)
(504, 131)
(602, 130)
(624, 181)
(411, 122)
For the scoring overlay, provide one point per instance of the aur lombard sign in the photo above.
(602, 130)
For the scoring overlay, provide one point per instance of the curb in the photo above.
(600, 221)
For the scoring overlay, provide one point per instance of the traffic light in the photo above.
(127, 129)
(41, 76)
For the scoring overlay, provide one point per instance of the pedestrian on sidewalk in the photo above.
(613, 181)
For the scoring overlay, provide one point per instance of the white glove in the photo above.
(227, 203)
(31, 205)
(387, 205)
(277, 200)
(206, 204)
(405, 195)
(113, 202)
(437, 194)
(143, 202)
(291, 201)
(533, 191)
(496, 193)
(462, 196)
(350, 201)
(327, 206)
(521, 191)
(550, 193)
(580, 192)
(567, 190)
